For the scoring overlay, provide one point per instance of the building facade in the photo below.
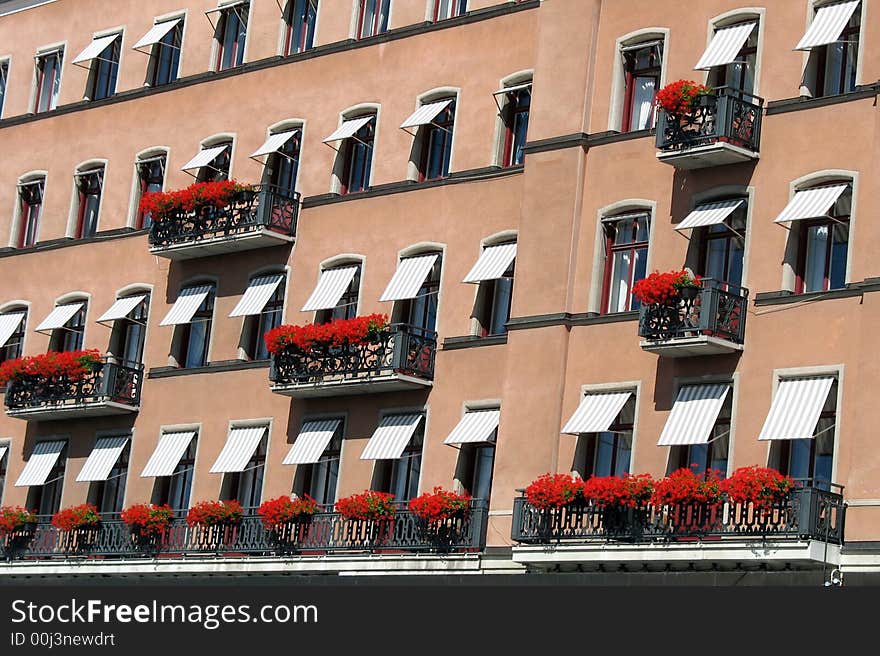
(493, 176)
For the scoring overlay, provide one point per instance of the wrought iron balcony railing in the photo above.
(726, 116)
(811, 511)
(324, 532)
(109, 382)
(266, 206)
(714, 310)
(401, 349)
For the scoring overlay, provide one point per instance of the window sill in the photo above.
(210, 368)
(63, 242)
(569, 319)
(473, 341)
(803, 102)
(786, 297)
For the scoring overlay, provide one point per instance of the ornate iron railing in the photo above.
(108, 381)
(715, 309)
(809, 512)
(399, 349)
(727, 115)
(266, 206)
(324, 532)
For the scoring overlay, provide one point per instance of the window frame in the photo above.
(85, 197)
(219, 168)
(436, 139)
(611, 249)
(818, 57)
(379, 20)
(29, 226)
(71, 336)
(455, 8)
(172, 41)
(166, 486)
(347, 307)
(511, 117)
(631, 74)
(105, 68)
(683, 456)
(271, 316)
(41, 59)
(331, 458)
(233, 482)
(237, 42)
(204, 313)
(617, 429)
(718, 75)
(430, 289)
(5, 65)
(360, 146)
(802, 231)
(306, 22)
(98, 490)
(282, 166)
(145, 178)
(55, 479)
(14, 349)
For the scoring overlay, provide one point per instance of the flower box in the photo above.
(79, 527)
(149, 524)
(553, 491)
(213, 524)
(367, 506)
(335, 334)
(666, 289)
(17, 528)
(286, 520)
(197, 197)
(61, 366)
(681, 97)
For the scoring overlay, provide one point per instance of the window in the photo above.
(299, 20)
(712, 455)
(722, 247)
(89, 185)
(30, 199)
(194, 336)
(372, 17)
(218, 168)
(515, 121)
(46, 498)
(4, 460)
(150, 179)
(175, 490)
(435, 143)
(357, 159)
(109, 495)
(283, 165)
(740, 72)
(128, 333)
(421, 311)
(246, 486)
(833, 61)
(449, 9)
(400, 477)
(476, 463)
(607, 453)
(14, 345)
(4, 74)
(823, 248)
(626, 257)
(346, 307)
(492, 307)
(641, 71)
(230, 36)
(257, 325)
(69, 337)
(810, 458)
(104, 70)
(165, 55)
(319, 480)
(48, 80)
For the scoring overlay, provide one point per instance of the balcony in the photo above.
(804, 531)
(709, 320)
(399, 358)
(110, 388)
(725, 128)
(260, 218)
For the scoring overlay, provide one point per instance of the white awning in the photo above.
(811, 203)
(693, 414)
(59, 316)
(391, 437)
(3, 450)
(476, 427)
(312, 441)
(710, 214)
(42, 460)
(122, 308)
(348, 128)
(596, 412)
(725, 46)
(186, 305)
(492, 263)
(827, 25)
(204, 157)
(330, 288)
(156, 33)
(168, 453)
(516, 87)
(796, 407)
(95, 48)
(257, 294)
(9, 323)
(103, 458)
(409, 277)
(239, 449)
(274, 142)
(425, 114)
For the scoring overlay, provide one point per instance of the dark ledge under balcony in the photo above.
(110, 388)
(723, 128)
(261, 218)
(400, 358)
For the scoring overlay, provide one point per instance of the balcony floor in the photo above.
(351, 386)
(73, 411)
(245, 241)
(700, 157)
(689, 347)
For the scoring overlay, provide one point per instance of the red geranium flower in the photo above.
(84, 515)
(439, 505)
(282, 510)
(211, 513)
(553, 491)
(147, 519)
(341, 332)
(663, 288)
(677, 98)
(15, 518)
(369, 505)
(73, 365)
(761, 486)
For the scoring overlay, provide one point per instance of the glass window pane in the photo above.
(619, 300)
(643, 103)
(839, 248)
(799, 458)
(604, 454)
(817, 249)
(624, 453)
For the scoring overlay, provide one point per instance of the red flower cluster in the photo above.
(367, 505)
(15, 518)
(84, 515)
(341, 332)
(147, 519)
(198, 194)
(684, 486)
(761, 486)
(211, 513)
(440, 504)
(677, 98)
(626, 490)
(280, 511)
(70, 364)
(553, 491)
(663, 288)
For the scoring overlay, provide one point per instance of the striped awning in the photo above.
(391, 437)
(122, 308)
(796, 407)
(257, 294)
(313, 439)
(596, 412)
(186, 305)
(409, 277)
(274, 142)
(827, 25)
(348, 128)
(492, 263)
(9, 323)
(476, 427)
(239, 449)
(59, 316)
(811, 203)
(425, 114)
(103, 458)
(725, 46)
(168, 453)
(156, 33)
(330, 288)
(42, 460)
(95, 48)
(710, 214)
(204, 157)
(693, 414)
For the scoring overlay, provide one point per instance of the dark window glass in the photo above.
(260, 324)
(151, 178)
(437, 145)
(48, 82)
(4, 74)
(358, 154)
(165, 58)
(824, 246)
(175, 490)
(516, 126)
(740, 74)
(109, 495)
(319, 480)
(401, 477)
(231, 35)
(3, 465)
(641, 70)
(104, 70)
(444, 9)
(300, 18)
(626, 260)
(13, 347)
(836, 62)
(421, 311)
(723, 249)
(89, 186)
(46, 498)
(196, 335)
(130, 333)
(70, 336)
(246, 486)
(218, 169)
(30, 197)
(607, 453)
(372, 17)
(812, 458)
(283, 166)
